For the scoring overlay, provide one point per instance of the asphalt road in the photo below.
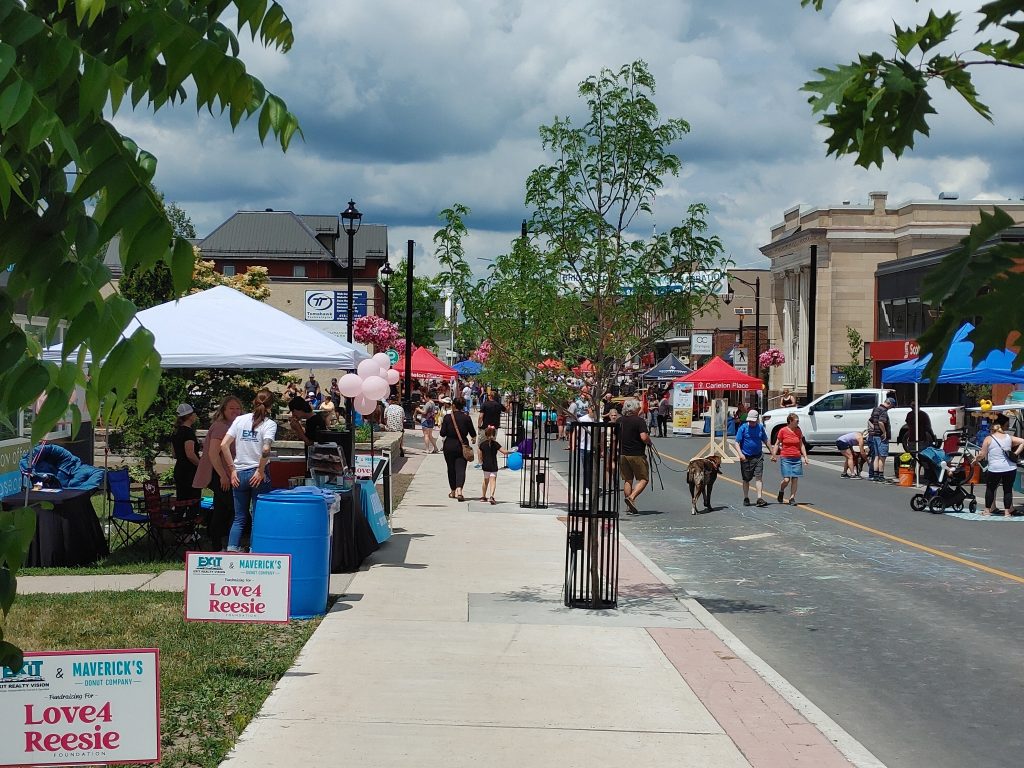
(918, 656)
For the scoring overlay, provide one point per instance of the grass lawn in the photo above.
(213, 677)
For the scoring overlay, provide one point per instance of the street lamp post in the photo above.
(729, 296)
(386, 273)
(407, 391)
(352, 218)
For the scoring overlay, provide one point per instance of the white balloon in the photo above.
(368, 368)
(382, 360)
(393, 377)
(350, 385)
(365, 405)
(375, 388)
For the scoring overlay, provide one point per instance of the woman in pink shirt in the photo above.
(212, 474)
(789, 445)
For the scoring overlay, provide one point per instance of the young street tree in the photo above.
(64, 67)
(582, 284)
(880, 102)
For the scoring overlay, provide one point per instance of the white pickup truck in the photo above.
(834, 414)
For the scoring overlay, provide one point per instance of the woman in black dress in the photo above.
(186, 455)
(457, 430)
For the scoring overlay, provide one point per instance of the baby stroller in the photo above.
(946, 482)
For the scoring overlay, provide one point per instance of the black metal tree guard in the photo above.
(513, 432)
(592, 526)
(533, 489)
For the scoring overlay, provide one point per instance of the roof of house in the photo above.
(272, 235)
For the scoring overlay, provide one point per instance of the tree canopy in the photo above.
(70, 182)
(583, 283)
(883, 102)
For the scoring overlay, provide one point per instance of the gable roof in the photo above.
(256, 235)
(264, 234)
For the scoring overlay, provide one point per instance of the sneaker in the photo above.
(761, 503)
(746, 502)
(844, 475)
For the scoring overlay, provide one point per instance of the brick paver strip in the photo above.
(766, 728)
(769, 732)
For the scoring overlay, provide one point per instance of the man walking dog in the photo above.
(749, 438)
(634, 438)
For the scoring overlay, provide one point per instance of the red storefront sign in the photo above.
(895, 350)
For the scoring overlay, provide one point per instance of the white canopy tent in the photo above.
(223, 328)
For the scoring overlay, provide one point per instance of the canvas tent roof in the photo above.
(718, 374)
(997, 367)
(223, 328)
(425, 363)
(669, 368)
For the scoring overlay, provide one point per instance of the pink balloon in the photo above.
(350, 385)
(393, 377)
(382, 360)
(364, 405)
(375, 388)
(368, 368)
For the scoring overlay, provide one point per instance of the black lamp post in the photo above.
(386, 273)
(729, 296)
(352, 218)
(407, 391)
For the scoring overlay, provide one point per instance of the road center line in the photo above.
(883, 534)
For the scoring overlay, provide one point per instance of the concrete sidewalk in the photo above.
(452, 648)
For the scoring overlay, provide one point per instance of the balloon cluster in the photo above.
(370, 384)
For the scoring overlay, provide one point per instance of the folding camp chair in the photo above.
(125, 521)
(176, 520)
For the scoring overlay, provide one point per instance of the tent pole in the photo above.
(917, 429)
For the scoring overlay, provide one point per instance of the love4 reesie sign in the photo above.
(81, 708)
(236, 586)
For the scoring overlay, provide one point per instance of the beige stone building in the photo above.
(848, 241)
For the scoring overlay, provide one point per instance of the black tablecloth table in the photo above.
(352, 539)
(67, 535)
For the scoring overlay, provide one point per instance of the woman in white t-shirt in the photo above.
(251, 435)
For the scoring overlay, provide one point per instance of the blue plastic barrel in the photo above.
(295, 523)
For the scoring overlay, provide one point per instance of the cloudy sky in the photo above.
(407, 107)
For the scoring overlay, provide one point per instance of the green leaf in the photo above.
(934, 31)
(29, 384)
(12, 347)
(7, 58)
(14, 103)
(8, 589)
(17, 529)
(11, 656)
(183, 261)
(149, 383)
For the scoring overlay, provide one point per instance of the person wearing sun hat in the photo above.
(186, 454)
(750, 436)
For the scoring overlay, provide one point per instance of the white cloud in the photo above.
(408, 107)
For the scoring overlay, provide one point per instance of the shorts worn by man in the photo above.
(634, 438)
(749, 438)
(879, 432)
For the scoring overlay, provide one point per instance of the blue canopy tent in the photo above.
(669, 369)
(468, 367)
(957, 368)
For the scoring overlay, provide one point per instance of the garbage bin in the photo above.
(296, 523)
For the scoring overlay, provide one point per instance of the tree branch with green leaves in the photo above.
(70, 182)
(882, 102)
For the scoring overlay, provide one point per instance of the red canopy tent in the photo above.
(718, 374)
(585, 367)
(425, 364)
(551, 364)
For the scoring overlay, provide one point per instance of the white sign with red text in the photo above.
(236, 586)
(81, 708)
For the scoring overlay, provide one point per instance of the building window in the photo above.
(228, 270)
(299, 270)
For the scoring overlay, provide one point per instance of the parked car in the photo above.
(836, 413)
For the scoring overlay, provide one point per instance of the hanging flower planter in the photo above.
(771, 358)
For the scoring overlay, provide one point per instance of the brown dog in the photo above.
(700, 476)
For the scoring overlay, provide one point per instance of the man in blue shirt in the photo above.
(749, 438)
